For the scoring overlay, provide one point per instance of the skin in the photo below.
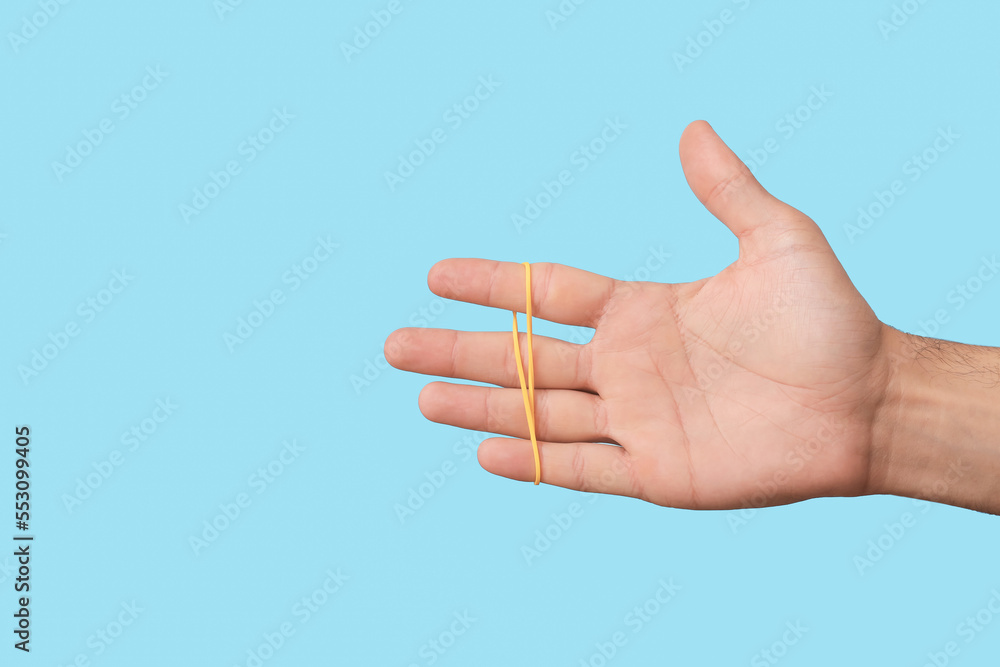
(768, 383)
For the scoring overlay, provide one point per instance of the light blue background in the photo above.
(366, 446)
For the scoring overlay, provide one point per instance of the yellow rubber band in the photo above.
(528, 390)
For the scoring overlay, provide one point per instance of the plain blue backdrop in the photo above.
(199, 191)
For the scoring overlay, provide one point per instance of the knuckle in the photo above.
(728, 186)
(601, 426)
(578, 469)
(492, 412)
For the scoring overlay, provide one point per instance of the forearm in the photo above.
(937, 430)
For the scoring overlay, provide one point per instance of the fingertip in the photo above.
(434, 275)
(487, 458)
(395, 346)
(696, 127)
(427, 403)
(702, 149)
(693, 136)
(504, 457)
(441, 277)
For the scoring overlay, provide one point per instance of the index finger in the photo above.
(560, 293)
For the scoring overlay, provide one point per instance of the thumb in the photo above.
(728, 190)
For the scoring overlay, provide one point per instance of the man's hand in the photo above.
(765, 384)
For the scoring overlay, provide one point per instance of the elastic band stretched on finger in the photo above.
(528, 389)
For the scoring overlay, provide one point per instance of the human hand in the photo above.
(757, 385)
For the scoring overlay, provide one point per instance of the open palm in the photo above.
(757, 386)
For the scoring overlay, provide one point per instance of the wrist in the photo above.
(936, 431)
